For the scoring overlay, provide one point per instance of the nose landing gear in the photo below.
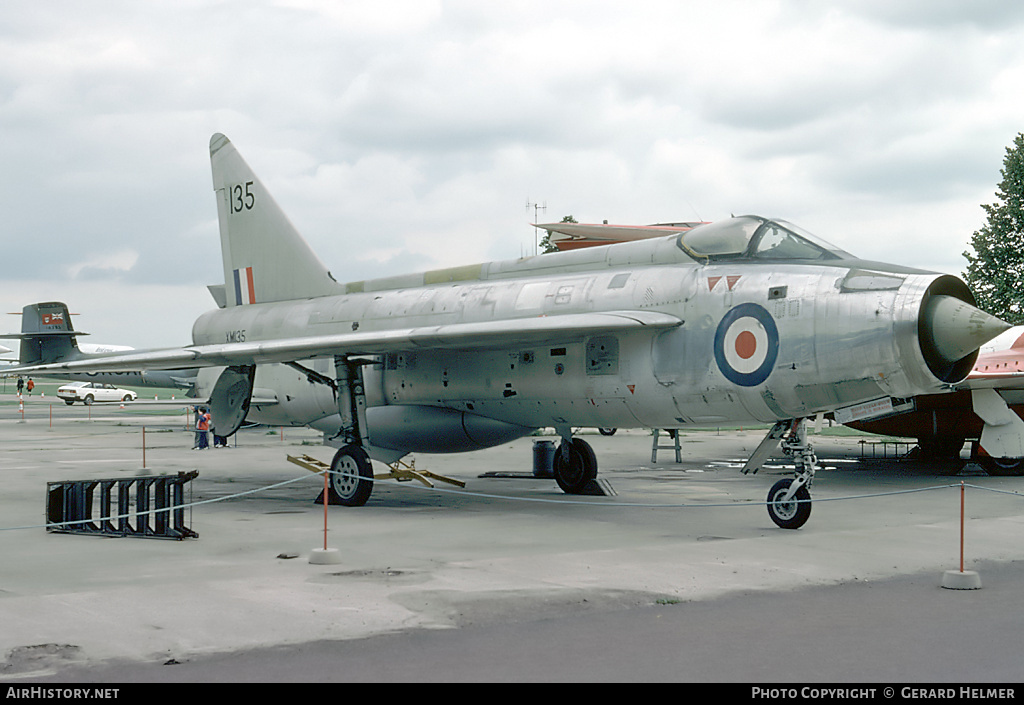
(789, 501)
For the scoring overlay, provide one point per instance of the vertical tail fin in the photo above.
(47, 334)
(265, 258)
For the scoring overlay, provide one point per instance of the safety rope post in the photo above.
(324, 556)
(961, 526)
(961, 579)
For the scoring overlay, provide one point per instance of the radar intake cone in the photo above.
(952, 328)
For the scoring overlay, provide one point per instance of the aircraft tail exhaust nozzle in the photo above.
(951, 331)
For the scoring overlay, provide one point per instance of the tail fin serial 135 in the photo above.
(265, 257)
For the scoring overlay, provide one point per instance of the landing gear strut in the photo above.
(351, 480)
(789, 501)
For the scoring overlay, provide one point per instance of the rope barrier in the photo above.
(536, 500)
(992, 489)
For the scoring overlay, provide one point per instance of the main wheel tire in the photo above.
(607, 431)
(351, 477)
(573, 476)
(791, 514)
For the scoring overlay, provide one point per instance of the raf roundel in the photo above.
(746, 345)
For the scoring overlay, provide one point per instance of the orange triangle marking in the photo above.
(731, 280)
(712, 281)
(631, 388)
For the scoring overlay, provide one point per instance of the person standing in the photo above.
(218, 441)
(202, 426)
(195, 427)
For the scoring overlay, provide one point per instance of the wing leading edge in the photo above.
(457, 336)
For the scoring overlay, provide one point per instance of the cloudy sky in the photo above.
(402, 135)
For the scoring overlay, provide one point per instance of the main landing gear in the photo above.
(574, 465)
(789, 501)
(351, 473)
(351, 480)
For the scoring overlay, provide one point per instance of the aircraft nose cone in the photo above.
(954, 328)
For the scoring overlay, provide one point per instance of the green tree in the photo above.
(995, 270)
(546, 245)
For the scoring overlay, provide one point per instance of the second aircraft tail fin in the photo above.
(265, 257)
(46, 334)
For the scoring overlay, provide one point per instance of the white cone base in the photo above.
(324, 556)
(957, 580)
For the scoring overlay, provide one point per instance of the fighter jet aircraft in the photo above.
(47, 336)
(743, 320)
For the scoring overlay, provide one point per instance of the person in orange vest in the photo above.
(202, 426)
(30, 385)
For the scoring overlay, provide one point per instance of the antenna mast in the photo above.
(537, 207)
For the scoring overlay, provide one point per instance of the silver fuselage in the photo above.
(847, 332)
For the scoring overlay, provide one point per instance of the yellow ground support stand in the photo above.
(404, 472)
(401, 471)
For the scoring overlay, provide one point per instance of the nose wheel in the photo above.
(789, 512)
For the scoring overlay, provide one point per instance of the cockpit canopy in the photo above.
(753, 237)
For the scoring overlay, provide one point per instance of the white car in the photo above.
(89, 392)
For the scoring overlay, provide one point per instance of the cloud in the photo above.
(942, 14)
(424, 127)
(106, 266)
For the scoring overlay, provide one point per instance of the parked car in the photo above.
(89, 392)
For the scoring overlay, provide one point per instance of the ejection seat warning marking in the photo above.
(746, 345)
(730, 281)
